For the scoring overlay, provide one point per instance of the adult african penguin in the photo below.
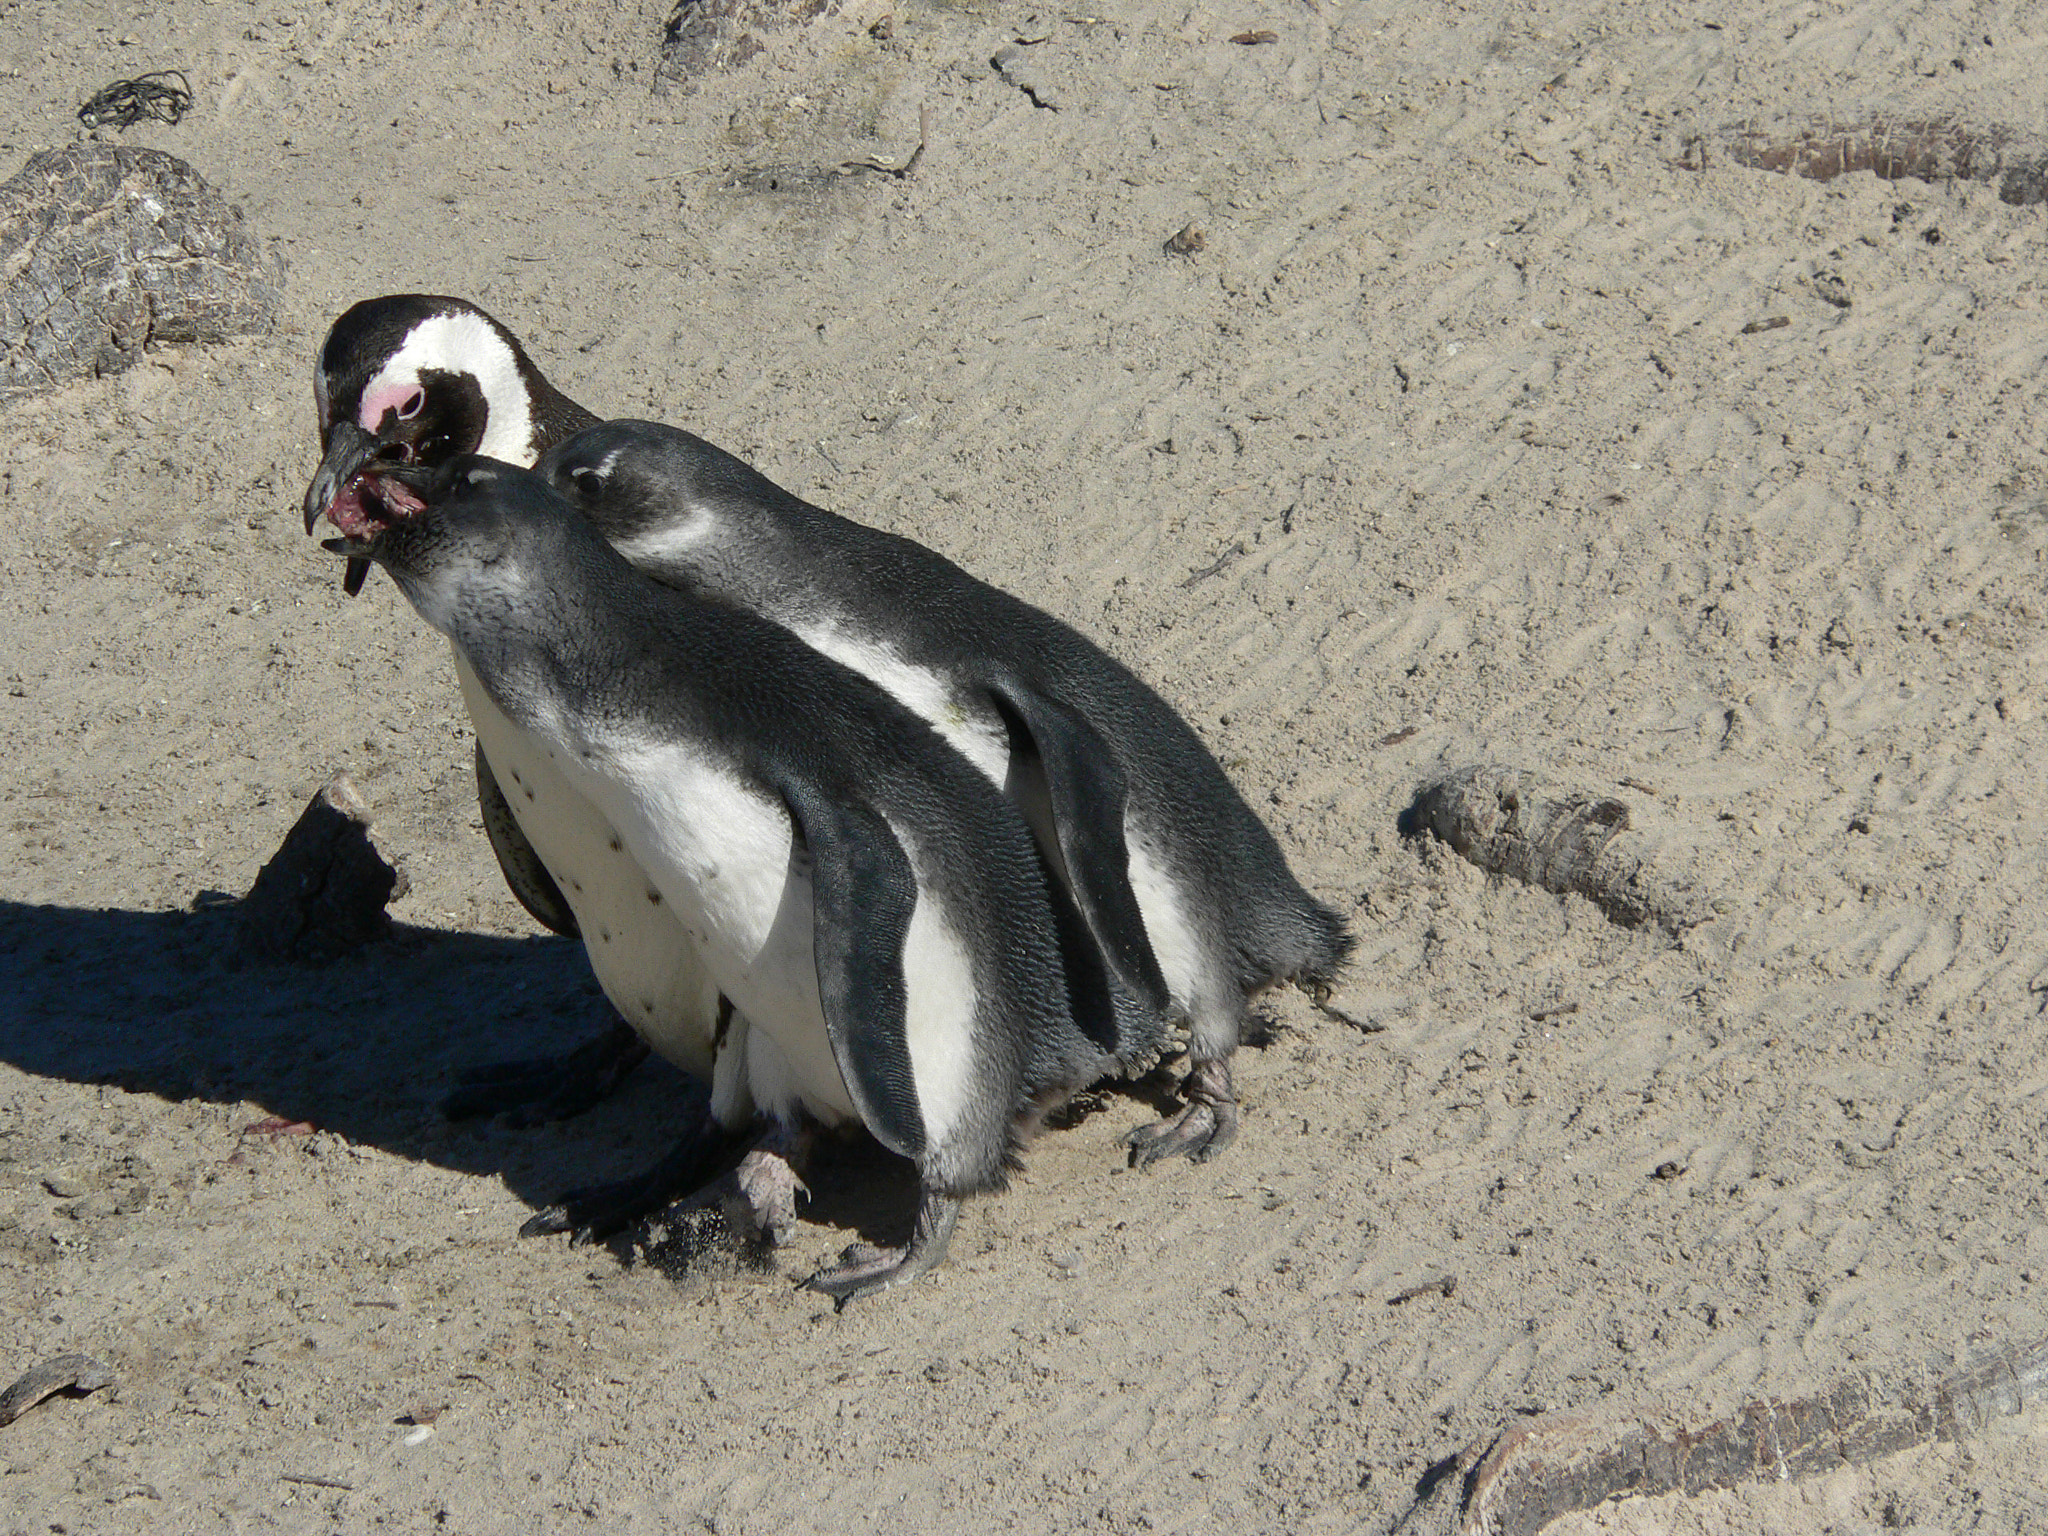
(415, 378)
(1177, 877)
(870, 903)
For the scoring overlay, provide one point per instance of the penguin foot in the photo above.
(550, 1087)
(593, 1214)
(1199, 1132)
(864, 1269)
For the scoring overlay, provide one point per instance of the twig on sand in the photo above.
(1517, 1482)
(900, 172)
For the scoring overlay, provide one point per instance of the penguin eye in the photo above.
(589, 482)
(414, 404)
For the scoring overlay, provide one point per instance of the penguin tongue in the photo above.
(370, 502)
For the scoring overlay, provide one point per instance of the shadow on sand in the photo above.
(366, 1046)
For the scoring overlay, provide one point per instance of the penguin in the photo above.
(861, 894)
(1183, 886)
(414, 378)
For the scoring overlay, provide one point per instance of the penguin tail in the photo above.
(1309, 946)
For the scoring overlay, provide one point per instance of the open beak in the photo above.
(376, 496)
(349, 449)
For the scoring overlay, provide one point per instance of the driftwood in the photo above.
(1928, 149)
(1531, 1474)
(66, 1373)
(324, 891)
(1570, 843)
(105, 249)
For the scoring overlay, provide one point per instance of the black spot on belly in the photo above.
(576, 887)
(645, 1006)
(615, 845)
(605, 935)
(529, 794)
(655, 897)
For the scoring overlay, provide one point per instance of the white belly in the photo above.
(727, 859)
(730, 873)
(644, 958)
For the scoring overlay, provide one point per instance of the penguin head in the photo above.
(416, 379)
(626, 477)
(651, 490)
(456, 537)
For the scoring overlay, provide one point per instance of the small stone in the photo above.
(67, 1183)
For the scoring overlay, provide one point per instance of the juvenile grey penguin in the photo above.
(870, 903)
(1179, 880)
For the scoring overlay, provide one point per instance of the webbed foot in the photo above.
(1200, 1131)
(865, 1269)
(593, 1214)
(549, 1087)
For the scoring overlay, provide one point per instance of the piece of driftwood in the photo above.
(66, 1373)
(1567, 842)
(1537, 1471)
(1929, 149)
(106, 249)
(324, 891)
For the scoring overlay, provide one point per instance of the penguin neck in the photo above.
(553, 414)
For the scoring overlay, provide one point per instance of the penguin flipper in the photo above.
(863, 892)
(1086, 786)
(522, 868)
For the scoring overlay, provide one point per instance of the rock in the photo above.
(106, 249)
(324, 891)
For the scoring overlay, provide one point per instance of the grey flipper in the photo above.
(524, 872)
(1086, 786)
(863, 892)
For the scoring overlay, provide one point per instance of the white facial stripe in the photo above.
(658, 546)
(460, 343)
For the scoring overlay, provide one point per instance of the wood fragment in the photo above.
(1927, 149)
(1443, 1285)
(900, 172)
(1539, 1470)
(317, 1482)
(1574, 844)
(1255, 39)
(66, 1373)
(1774, 323)
(1215, 566)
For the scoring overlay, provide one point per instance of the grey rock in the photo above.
(106, 249)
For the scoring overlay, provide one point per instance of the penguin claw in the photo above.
(866, 1269)
(594, 1214)
(1201, 1131)
(529, 1093)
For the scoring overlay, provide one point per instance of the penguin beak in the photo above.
(379, 495)
(349, 449)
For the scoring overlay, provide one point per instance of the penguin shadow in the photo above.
(366, 1046)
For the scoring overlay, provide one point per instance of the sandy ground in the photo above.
(1455, 442)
